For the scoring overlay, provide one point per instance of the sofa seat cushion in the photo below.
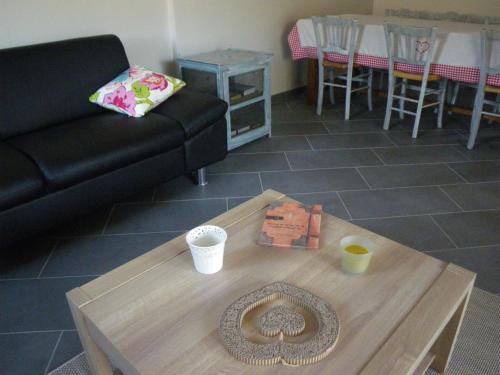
(79, 150)
(194, 111)
(20, 178)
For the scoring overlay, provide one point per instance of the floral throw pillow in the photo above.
(136, 91)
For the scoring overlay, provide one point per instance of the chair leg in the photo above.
(496, 108)
(381, 81)
(453, 95)
(401, 101)
(348, 96)
(321, 88)
(370, 89)
(332, 93)
(476, 119)
(442, 97)
(421, 98)
(390, 99)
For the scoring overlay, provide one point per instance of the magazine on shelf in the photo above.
(291, 224)
(242, 89)
(234, 96)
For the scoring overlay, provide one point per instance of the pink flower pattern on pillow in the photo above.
(155, 81)
(122, 99)
(134, 71)
(136, 91)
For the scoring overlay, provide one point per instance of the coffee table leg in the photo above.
(98, 361)
(443, 347)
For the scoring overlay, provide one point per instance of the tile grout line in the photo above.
(53, 353)
(183, 230)
(442, 231)
(309, 143)
(323, 149)
(366, 147)
(450, 198)
(363, 178)
(478, 247)
(185, 200)
(38, 331)
(454, 146)
(289, 193)
(50, 278)
(345, 206)
(288, 161)
(455, 172)
(261, 184)
(458, 173)
(403, 216)
(47, 260)
(327, 129)
(248, 172)
(343, 167)
(108, 219)
(266, 153)
(459, 132)
(118, 234)
(463, 153)
(390, 140)
(354, 221)
(378, 156)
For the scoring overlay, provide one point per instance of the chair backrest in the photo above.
(410, 45)
(335, 35)
(490, 46)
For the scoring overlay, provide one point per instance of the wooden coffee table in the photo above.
(157, 315)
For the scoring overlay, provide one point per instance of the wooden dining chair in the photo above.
(339, 36)
(488, 37)
(457, 85)
(412, 46)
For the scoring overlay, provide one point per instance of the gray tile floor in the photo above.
(431, 194)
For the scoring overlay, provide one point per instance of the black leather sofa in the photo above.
(62, 156)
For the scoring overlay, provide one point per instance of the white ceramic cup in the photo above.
(207, 248)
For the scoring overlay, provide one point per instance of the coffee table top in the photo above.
(157, 315)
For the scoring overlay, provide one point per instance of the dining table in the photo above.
(457, 55)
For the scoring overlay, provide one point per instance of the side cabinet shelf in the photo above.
(243, 80)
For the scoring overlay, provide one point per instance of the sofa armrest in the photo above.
(194, 111)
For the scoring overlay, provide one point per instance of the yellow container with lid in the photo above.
(357, 252)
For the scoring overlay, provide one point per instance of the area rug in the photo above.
(477, 351)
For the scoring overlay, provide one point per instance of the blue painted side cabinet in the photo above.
(242, 79)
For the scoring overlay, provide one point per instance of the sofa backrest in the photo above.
(46, 84)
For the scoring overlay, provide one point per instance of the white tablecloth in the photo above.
(458, 44)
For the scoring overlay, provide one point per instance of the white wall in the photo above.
(145, 27)
(253, 24)
(141, 25)
(481, 7)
